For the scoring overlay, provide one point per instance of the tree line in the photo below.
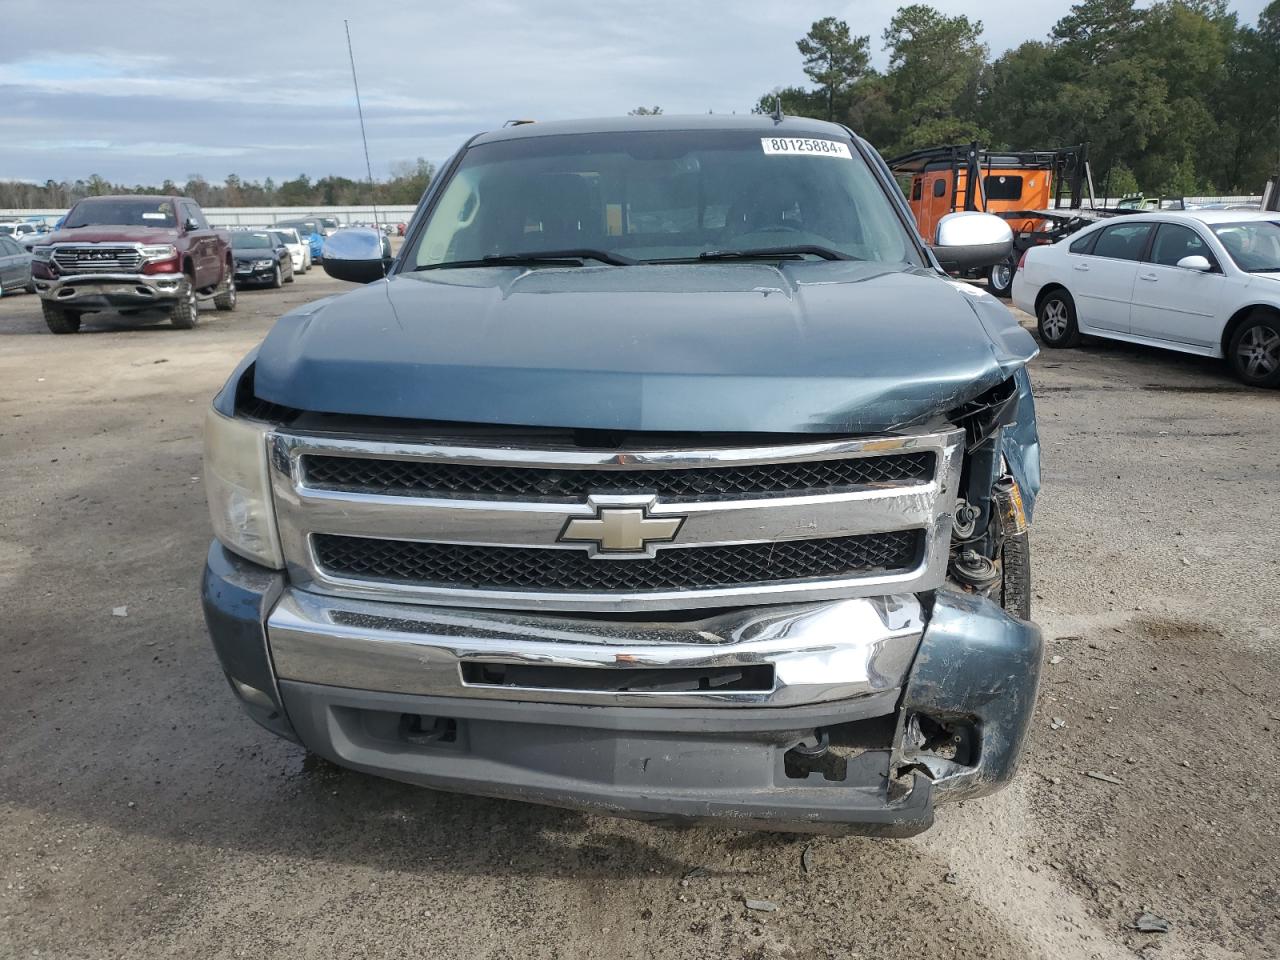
(1178, 98)
(404, 186)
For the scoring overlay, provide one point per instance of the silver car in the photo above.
(15, 267)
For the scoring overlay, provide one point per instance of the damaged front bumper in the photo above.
(100, 291)
(842, 716)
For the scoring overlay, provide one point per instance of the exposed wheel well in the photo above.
(1047, 289)
(1239, 317)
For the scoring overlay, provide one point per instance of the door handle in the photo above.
(1148, 276)
(1082, 266)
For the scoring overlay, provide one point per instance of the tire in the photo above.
(1015, 584)
(1000, 279)
(225, 298)
(276, 281)
(290, 278)
(59, 320)
(30, 287)
(185, 314)
(1254, 350)
(1056, 320)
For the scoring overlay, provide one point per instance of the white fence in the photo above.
(265, 216)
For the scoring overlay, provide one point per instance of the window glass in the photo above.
(1003, 187)
(665, 195)
(122, 212)
(1085, 243)
(940, 187)
(1174, 241)
(7, 247)
(916, 187)
(1122, 241)
(1254, 245)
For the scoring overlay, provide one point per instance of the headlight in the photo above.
(160, 251)
(239, 492)
(263, 264)
(43, 254)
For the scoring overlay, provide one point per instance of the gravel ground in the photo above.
(141, 815)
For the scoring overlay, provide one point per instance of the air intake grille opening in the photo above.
(426, 478)
(735, 679)
(684, 568)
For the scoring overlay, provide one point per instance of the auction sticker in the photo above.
(802, 146)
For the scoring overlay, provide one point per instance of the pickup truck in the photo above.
(133, 253)
(664, 473)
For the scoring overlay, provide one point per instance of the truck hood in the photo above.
(109, 234)
(735, 347)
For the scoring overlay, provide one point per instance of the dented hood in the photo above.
(734, 347)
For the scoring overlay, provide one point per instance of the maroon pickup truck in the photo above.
(130, 254)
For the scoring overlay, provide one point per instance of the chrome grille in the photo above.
(428, 479)
(455, 566)
(95, 258)
(440, 521)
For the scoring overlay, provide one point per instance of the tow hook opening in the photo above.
(421, 730)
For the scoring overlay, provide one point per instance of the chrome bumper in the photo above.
(113, 289)
(803, 654)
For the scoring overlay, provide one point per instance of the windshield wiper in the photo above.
(569, 256)
(777, 253)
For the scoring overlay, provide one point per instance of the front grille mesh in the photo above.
(73, 260)
(433, 478)
(685, 568)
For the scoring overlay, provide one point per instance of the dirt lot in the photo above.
(141, 815)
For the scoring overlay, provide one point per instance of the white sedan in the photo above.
(1200, 281)
(299, 251)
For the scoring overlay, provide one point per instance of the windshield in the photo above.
(1253, 245)
(304, 229)
(7, 229)
(651, 196)
(329, 223)
(281, 236)
(252, 241)
(126, 212)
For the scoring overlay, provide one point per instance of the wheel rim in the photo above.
(1054, 321)
(1001, 275)
(193, 303)
(1259, 351)
(231, 291)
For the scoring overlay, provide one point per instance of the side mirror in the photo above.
(191, 224)
(357, 255)
(969, 240)
(1196, 262)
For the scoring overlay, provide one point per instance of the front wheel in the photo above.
(1057, 320)
(1015, 582)
(1000, 279)
(1254, 351)
(59, 320)
(276, 280)
(185, 314)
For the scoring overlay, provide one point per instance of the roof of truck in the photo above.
(764, 123)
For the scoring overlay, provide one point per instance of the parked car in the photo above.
(310, 231)
(133, 253)
(19, 230)
(15, 267)
(723, 519)
(1201, 281)
(261, 259)
(299, 251)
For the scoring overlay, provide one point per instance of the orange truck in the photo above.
(1023, 187)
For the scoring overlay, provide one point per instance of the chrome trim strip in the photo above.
(302, 510)
(819, 652)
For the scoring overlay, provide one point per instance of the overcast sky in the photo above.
(150, 90)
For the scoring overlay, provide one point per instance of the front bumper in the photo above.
(921, 701)
(255, 276)
(109, 290)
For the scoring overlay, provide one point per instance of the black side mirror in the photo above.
(191, 224)
(357, 255)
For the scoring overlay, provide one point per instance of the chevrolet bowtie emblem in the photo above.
(621, 529)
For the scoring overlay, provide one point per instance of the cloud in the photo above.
(265, 90)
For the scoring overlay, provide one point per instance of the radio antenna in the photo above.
(373, 200)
